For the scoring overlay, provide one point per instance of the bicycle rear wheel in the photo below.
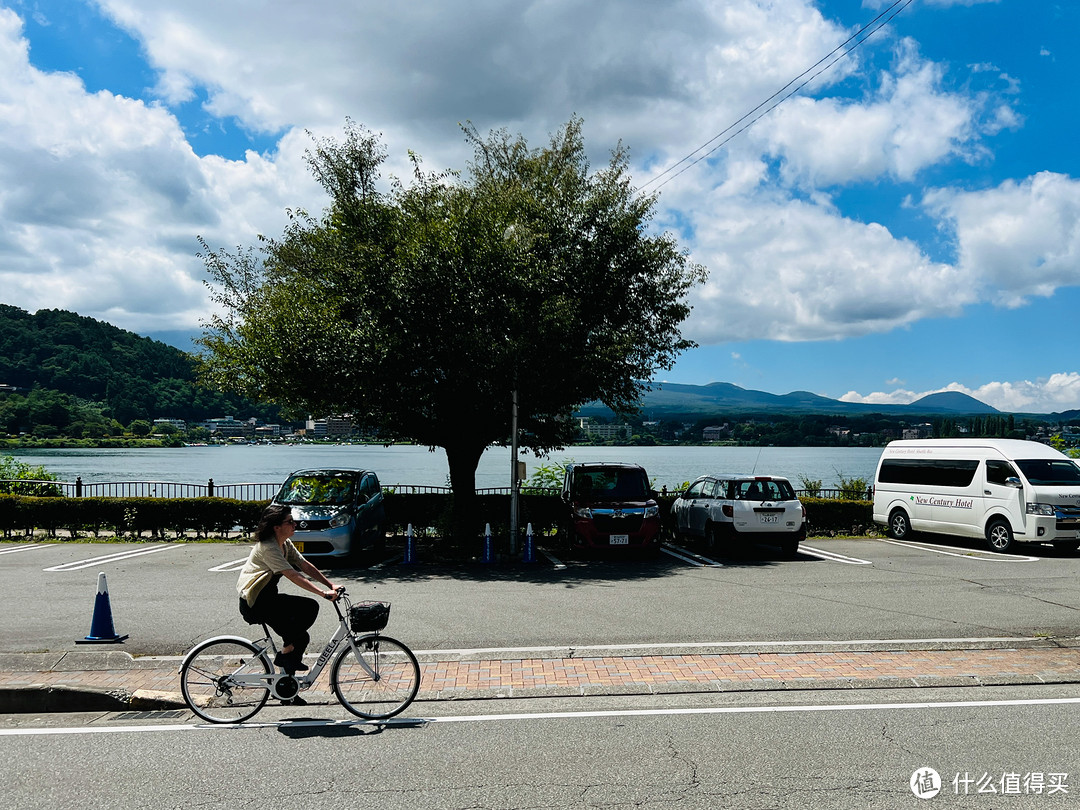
(383, 685)
(207, 685)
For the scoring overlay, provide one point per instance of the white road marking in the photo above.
(981, 556)
(689, 556)
(832, 556)
(574, 650)
(555, 561)
(119, 556)
(28, 548)
(583, 715)
(235, 565)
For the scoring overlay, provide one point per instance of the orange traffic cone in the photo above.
(101, 627)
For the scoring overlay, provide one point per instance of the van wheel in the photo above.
(899, 525)
(999, 536)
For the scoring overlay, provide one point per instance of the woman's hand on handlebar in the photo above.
(334, 595)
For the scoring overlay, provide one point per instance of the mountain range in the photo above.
(677, 399)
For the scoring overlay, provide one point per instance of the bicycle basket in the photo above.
(366, 617)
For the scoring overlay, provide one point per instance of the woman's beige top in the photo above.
(265, 560)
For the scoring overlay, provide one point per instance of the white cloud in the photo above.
(790, 270)
(1018, 240)
(101, 199)
(909, 125)
(99, 193)
(1056, 393)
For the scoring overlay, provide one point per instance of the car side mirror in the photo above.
(1014, 482)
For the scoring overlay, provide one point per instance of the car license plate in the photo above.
(299, 545)
(620, 539)
(770, 518)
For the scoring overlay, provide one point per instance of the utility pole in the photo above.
(514, 473)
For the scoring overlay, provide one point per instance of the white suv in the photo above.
(736, 510)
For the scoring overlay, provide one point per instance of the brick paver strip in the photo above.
(648, 672)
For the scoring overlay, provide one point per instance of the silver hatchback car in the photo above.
(338, 511)
(734, 511)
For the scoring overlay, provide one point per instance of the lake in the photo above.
(405, 464)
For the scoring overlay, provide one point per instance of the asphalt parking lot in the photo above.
(166, 596)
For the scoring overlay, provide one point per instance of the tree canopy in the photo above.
(420, 308)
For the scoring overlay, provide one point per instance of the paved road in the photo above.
(167, 596)
(819, 749)
(759, 731)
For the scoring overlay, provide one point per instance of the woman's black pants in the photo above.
(289, 616)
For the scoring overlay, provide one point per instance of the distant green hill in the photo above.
(676, 399)
(68, 368)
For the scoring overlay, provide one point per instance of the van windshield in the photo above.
(1050, 473)
(611, 485)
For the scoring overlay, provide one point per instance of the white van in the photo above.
(1003, 490)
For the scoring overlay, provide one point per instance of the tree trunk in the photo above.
(463, 458)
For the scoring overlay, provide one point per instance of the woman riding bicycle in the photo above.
(272, 557)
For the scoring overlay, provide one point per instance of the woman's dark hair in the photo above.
(273, 516)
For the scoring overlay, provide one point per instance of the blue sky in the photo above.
(908, 222)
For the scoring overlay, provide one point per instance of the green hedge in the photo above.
(158, 517)
(428, 513)
(830, 517)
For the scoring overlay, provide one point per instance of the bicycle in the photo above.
(228, 679)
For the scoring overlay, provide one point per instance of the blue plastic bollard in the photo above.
(410, 547)
(489, 551)
(528, 553)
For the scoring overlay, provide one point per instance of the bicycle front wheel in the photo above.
(381, 683)
(208, 680)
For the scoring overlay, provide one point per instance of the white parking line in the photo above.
(555, 561)
(585, 715)
(27, 548)
(981, 556)
(833, 557)
(689, 556)
(107, 558)
(235, 565)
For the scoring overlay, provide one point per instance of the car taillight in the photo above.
(728, 510)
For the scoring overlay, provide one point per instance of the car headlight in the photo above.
(583, 512)
(652, 511)
(339, 520)
(1046, 509)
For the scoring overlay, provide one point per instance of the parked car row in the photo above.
(611, 505)
(606, 506)
(1004, 491)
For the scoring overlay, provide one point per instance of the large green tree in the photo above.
(420, 307)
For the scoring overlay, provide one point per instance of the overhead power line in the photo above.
(750, 118)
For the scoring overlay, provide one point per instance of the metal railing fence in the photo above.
(141, 489)
(265, 491)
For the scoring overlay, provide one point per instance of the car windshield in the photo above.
(1050, 473)
(317, 488)
(611, 485)
(762, 490)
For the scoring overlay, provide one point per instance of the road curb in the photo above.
(54, 699)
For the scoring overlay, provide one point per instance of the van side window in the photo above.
(695, 490)
(713, 489)
(998, 471)
(928, 472)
